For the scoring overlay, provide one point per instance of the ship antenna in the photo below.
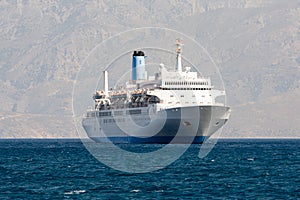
(178, 58)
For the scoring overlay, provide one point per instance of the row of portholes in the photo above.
(186, 88)
(186, 83)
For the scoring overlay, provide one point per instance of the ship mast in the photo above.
(105, 83)
(178, 58)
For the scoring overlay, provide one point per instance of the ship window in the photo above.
(181, 95)
(118, 112)
(104, 114)
(171, 95)
(134, 112)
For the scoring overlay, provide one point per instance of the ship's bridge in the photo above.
(185, 80)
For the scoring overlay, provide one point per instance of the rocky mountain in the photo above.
(255, 44)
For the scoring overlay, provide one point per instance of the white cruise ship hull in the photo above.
(143, 125)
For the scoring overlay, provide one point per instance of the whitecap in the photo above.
(75, 192)
(135, 190)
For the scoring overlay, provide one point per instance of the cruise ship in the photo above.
(172, 106)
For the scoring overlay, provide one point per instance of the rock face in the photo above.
(256, 45)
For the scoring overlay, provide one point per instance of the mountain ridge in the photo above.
(254, 43)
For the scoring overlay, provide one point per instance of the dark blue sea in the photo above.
(234, 169)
